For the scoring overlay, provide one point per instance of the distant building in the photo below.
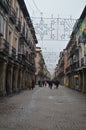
(37, 65)
(41, 72)
(60, 68)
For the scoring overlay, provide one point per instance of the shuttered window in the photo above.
(1, 25)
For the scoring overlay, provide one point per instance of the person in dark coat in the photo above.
(50, 84)
(56, 82)
(33, 84)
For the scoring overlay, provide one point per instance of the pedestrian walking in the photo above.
(33, 84)
(30, 84)
(50, 84)
(56, 82)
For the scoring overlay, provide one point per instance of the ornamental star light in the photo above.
(41, 28)
(53, 28)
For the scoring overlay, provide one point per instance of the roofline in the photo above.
(77, 25)
(26, 15)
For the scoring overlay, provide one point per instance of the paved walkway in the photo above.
(44, 109)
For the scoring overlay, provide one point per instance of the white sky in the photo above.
(61, 8)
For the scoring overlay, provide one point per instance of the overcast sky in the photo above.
(61, 8)
(64, 8)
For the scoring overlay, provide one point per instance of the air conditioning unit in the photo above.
(1, 25)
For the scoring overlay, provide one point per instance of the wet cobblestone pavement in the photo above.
(44, 109)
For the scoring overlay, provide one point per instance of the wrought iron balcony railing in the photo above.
(74, 66)
(12, 15)
(68, 69)
(32, 49)
(32, 67)
(72, 52)
(12, 53)
(22, 32)
(19, 58)
(5, 5)
(82, 62)
(18, 24)
(1, 25)
(61, 74)
(82, 38)
(23, 58)
(4, 47)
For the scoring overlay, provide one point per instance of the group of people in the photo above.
(48, 83)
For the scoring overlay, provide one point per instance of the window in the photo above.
(10, 40)
(17, 11)
(24, 28)
(21, 19)
(74, 58)
(16, 43)
(1, 25)
(85, 49)
(12, 3)
(5, 31)
(27, 33)
(10, 37)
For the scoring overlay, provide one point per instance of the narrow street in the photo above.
(44, 109)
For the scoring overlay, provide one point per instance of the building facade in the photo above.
(41, 70)
(17, 47)
(75, 57)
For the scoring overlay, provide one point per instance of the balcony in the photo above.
(18, 24)
(23, 57)
(27, 56)
(32, 67)
(1, 25)
(75, 66)
(12, 15)
(68, 69)
(19, 58)
(4, 47)
(22, 32)
(27, 35)
(73, 52)
(82, 38)
(61, 74)
(82, 62)
(5, 5)
(32, 49)
(12, 54)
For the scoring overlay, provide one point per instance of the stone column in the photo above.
(18, 83)
(20, 79)
(15, 79)
(26, 79)
(84, 82)
(3, 66)
(23, 79)
(9, 79)
(80, 81)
